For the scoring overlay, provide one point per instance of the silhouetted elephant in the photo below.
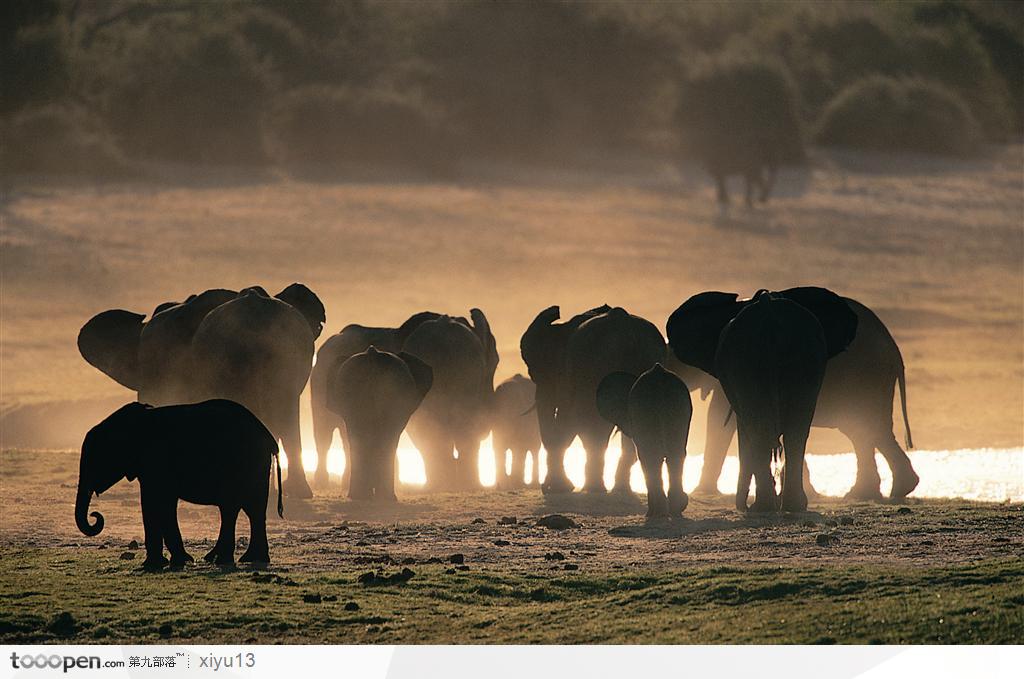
(654, 410)
(257, 352)
(856, 398)
(210, 453)
(455, 414)
(375, 393)
(515, 431)
(567, 361)
(769, 355)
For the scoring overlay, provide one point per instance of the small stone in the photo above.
(845, 520)
(330, 597)
(571, 567)
(927, 543)
(557, 522)
(508, 521)
(408, 561)
(134, 544)
(831, 523)
(63, 625)
(502, 543)
(435, 559)
(312, 598)
(462, 568)
(101, 632)
(351, 606)
(449, 571)
(904, 510)
(165, 630)
(404, 576)
(826, 539)
(127, 556)
(554, 556)
(478, 520)
(367, 578)
(457, 558)
(808, 524)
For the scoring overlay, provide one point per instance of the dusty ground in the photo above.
(926, 571)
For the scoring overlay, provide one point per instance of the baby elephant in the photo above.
(210, 453)
(375, 393)
(515, 430)
(654, 410)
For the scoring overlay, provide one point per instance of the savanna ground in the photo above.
(935, 247)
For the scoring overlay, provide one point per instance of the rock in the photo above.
(904, 510)
(134, 544)
(351, 606)
(502, 543)
(63, 625)
(165, 630)
(456, 558)
(462, 568)
(827, 539)
(478, 520)
(554, 556)
(831, 523)
(367, 578)
(845, 520)
(557, 522)
(571, 567)
(408, 561)
(927, 543)
(449, 571)
(508, 521)
(330, 597)
(808, 524)
(435, 559)
(263, 577)
(101, 632)
(127, 556)
(404, 576)
(312, 598)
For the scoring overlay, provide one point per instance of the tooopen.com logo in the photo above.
(41, 661)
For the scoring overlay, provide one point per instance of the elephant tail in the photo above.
(280, 490)
(903, 404)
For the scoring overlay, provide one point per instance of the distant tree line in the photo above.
(106, 87)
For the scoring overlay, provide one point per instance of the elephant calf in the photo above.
(515, 430)
(654, 410)
(375, 393)
(210, 453)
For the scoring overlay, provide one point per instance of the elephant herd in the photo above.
(774, 365)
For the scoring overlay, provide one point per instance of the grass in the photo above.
(60, 595)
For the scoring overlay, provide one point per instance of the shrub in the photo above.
(59, 140)
(738, 112)
(335, 127)
(885, 113)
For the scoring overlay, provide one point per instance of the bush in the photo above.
(335, 127)
(882, 113)
(740, 112)
(59, 140)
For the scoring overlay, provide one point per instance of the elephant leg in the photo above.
(362, 476)
(794, 499)
(295, 484)
(867, 486)
(625, 466)
(153, 512)
(384, 488)
(467, 466)
(535, 469)
(716, 445)
(223, 553)
(172, 535)
(346, 445)
(677, 497)
(764, 494)
(904, 478)
(596, 446)
(501, 479)
(517, 476)
(324, 424)
(657, 505)
(556, 480)
(439, 466)
(259, 548)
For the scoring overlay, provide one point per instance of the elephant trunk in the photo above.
(82, 511)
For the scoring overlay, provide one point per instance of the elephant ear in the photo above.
(482, 329)
(613, 399)
(837, 319)
(532, 342)
(694, 328)
(306, 303)
(109, 342)
(421, 373)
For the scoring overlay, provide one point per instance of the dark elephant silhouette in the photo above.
(567, 361)
(454, 415)
(769, 356)
(515, 432)
(245, 346)
(654, 410)
(210, 453)
(375, 393)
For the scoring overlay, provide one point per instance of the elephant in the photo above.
(515, 431)
(769, 354)
(654, 410)
(210, 453)
(856, 398)
(455, 411)
(375, 393)
(567, 361)
(245, 346)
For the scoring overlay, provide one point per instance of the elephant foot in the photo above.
(864, 492)
(677, 505)
(708, 489)
(296, 486)
(763, 505)
(557, 485)
(321, 479)
(178, 561)
(622, 490)
(154, 563)
(904, 484)
(795, 503)
(660, 516)
(212, 554)
(254, 556)
(595, 488)
(224, 560)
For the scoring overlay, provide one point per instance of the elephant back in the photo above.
(613, 341)
(372, 388)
